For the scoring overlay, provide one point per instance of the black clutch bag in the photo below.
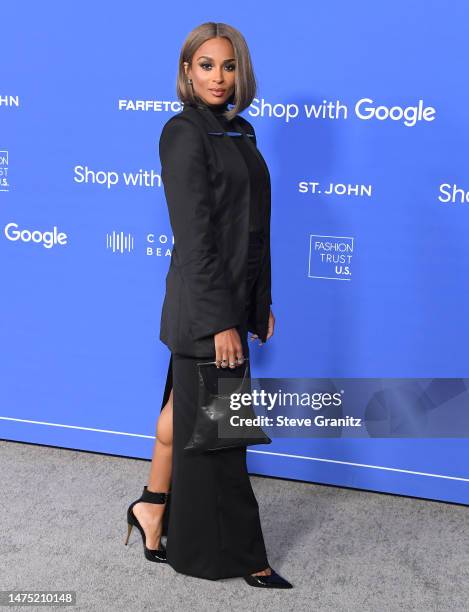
(213, 429)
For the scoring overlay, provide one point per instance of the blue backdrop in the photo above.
(361, 115)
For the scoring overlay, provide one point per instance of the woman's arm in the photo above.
(262, 320)
(188, 195)
(264, 287)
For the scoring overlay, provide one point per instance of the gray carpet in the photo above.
(63, 527)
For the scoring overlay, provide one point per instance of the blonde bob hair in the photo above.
(245, 81)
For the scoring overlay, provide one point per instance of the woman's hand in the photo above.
(228, 348)
(270, 328)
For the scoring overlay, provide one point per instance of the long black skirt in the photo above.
(212, 522)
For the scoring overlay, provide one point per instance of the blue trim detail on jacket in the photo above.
(230, 134)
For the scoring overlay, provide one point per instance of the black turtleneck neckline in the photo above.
(217, 109)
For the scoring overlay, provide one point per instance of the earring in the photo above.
(189, 80)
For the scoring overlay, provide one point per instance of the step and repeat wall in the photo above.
(361, 114)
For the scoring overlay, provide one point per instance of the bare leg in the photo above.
(150, 515)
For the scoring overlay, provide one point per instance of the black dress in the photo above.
(212, 521)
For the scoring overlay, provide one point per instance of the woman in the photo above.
(218, 287)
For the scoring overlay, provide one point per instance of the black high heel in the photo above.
(273, 581)
(158, 554)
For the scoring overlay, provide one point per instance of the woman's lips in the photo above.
(217, 92)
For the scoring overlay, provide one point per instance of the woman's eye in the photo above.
(229, 67)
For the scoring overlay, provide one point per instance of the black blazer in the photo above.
(206, 184)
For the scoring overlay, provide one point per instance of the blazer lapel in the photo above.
(250, 140)
(239, 132)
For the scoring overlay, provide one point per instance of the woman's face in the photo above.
(213, 71)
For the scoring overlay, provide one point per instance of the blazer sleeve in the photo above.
(264, 283)
(258, 319)
(189, 198)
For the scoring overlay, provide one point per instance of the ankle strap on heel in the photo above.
(153, 497)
